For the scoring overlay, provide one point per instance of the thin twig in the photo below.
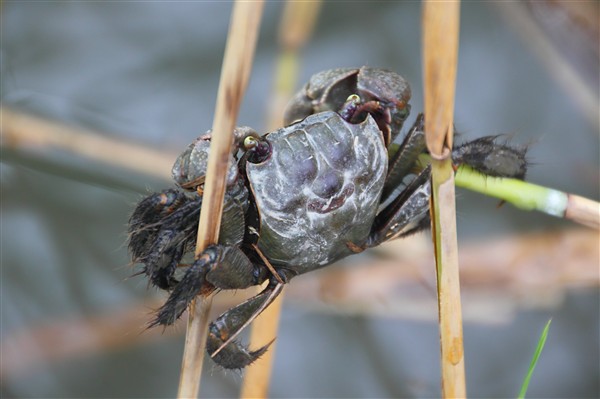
(237, 61)
(440, 52)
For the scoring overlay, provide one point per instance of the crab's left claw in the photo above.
(221, 344)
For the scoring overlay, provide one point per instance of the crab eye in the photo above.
(250, 142)
(257, 149)
(353, 98)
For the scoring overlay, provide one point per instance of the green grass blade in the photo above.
(534, 360)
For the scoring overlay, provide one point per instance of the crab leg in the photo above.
(219, 266)
(403, 161)
(406, 214)
(491, 158)
(160, 228)
(222, 347)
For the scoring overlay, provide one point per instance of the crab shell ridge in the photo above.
(319, 191)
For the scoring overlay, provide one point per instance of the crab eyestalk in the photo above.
(257, 149)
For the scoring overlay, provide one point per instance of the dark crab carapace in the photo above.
(328, 185)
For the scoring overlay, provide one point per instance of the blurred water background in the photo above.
(147, 72)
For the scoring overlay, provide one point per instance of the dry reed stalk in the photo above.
(583, 210)
(440, 52)
(295, 28)
(27, 132)
(237, 61)
(500, 275)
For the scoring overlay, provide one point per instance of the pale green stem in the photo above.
(522, 194)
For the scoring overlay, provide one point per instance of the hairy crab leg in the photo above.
(221, 344)
(218, 266)
(270, 298)
(160, 228)
(408, 212)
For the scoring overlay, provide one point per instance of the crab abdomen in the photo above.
(319, 191)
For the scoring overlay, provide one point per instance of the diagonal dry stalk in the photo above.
(24, 132)
(440, 52)
(237, 61)
(294, 31)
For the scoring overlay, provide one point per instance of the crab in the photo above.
(330, 184)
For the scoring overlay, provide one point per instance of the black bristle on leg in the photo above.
(233, 356)
(221, 345)
(491, 158)
(146, 219)
(163, 277)
(186, 290)
(161, 229)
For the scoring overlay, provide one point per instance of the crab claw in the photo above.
(234, 355)
(221, 344)
(382, 94)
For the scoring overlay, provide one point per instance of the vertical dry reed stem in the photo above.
(237, 61)
(440, 52)
(294, 31)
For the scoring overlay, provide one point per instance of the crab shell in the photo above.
(189, 169)
(318, 193)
